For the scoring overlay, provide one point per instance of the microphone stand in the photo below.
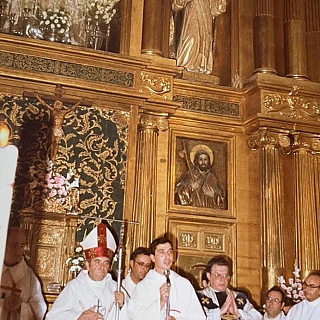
(167, 273)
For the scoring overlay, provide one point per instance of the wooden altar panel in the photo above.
(199, 241)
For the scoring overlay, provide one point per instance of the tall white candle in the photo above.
(8, 164)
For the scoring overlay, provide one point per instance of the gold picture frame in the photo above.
(219, 177)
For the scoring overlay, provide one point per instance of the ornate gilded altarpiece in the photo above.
(93, 147)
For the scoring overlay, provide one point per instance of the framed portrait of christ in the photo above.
(202, 175)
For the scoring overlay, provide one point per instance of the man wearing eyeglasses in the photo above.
(140, 264)
(310, 307)
(218, 300)
(275, 298)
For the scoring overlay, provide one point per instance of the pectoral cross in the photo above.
(228, 316)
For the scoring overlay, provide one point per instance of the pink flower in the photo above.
(52, 193)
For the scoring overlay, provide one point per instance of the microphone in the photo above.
(167, 273)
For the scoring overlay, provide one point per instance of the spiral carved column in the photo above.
(307, 204)
(269, 144)
(145, 187)
(263, 33)
(295, 39)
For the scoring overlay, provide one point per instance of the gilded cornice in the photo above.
(58, 67)
(211, 106)
(291, 105)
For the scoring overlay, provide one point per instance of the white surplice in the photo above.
(145, 300)
(305, 310)
(20, 279)
(83, 293)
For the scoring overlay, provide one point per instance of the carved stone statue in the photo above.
(57, 115)
(195, 48)
(199, 186)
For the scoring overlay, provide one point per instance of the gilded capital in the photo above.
(307, 142)
(264, 137)
(155, 122)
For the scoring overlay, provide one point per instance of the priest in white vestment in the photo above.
(308, 309)
(140, 264)
(20, 293)
(93, 293)
(163, 294)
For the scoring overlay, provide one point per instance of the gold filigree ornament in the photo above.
(284, 141)
(292, 105)
(155, 85)
(228, 316)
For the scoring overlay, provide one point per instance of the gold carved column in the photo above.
(51, 239)
(269, 143)
(263, 33)
(307, 202)
(145, 188)
(313, 38)
(295, 39)
(152, 33)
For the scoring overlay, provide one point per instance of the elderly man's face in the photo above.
(98, 268)
(203, 162)
(311, 287)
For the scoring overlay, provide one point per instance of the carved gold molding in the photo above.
(214, 242)
(155, 85)
(292, 105)
(153, 121)
(306, 141)
(287, 141)
(188, 239)
(266, 137)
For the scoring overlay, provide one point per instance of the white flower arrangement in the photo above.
(76, 263)
(294, 288)
(55, 19)
(99, 11)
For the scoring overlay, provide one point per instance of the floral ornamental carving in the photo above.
(291, 105)
(188, 240)
(214, 242)
(159, 86)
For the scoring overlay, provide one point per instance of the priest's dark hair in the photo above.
(220, 260)
(158, 241)
(138, 251)
(280, 290)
